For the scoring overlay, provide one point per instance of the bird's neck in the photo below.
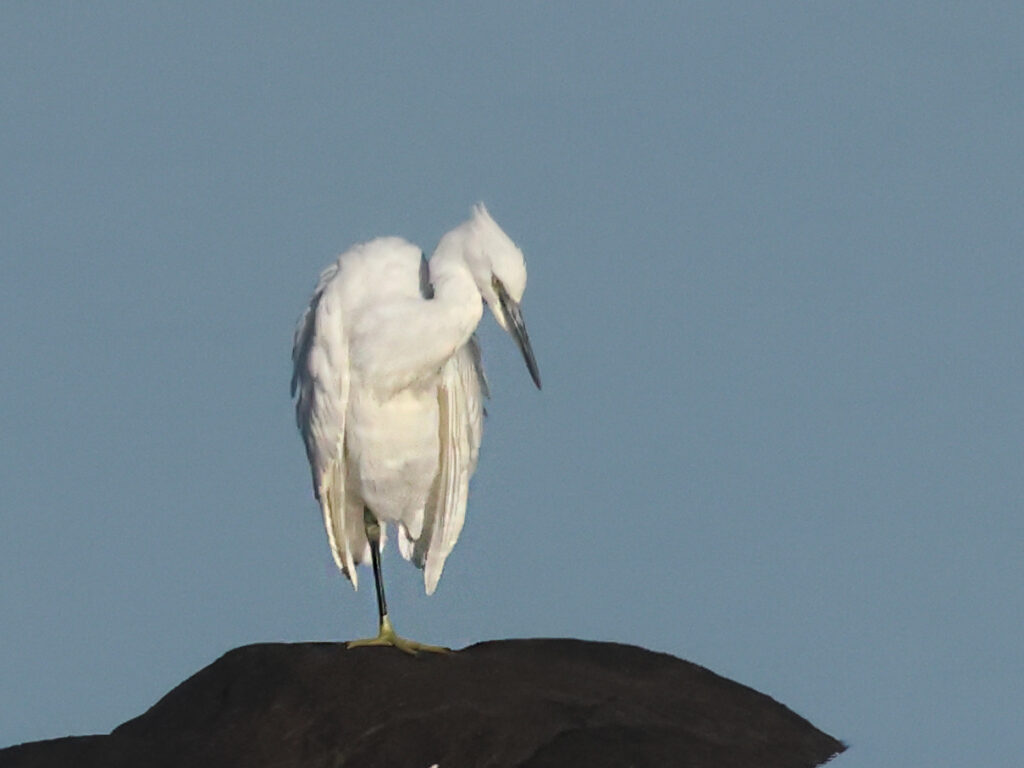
(449, 271)
(455, 290)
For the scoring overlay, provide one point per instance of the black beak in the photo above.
(514, 317)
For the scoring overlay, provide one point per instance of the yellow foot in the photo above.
(388, 636)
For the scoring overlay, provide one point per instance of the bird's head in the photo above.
(499, 270)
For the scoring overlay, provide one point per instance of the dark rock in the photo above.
(522, 703)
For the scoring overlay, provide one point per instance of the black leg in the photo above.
(387, 635)
(373, 535)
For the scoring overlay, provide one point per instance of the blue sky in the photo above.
(775, 294)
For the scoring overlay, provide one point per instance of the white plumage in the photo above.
(390, 389)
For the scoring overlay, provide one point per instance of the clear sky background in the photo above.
(776, 284)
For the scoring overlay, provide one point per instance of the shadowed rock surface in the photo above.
(521, 703)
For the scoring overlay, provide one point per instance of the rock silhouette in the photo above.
(510, 703)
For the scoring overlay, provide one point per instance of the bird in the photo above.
(389, 386)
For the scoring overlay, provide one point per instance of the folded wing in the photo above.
(460, 400)
(320, 383)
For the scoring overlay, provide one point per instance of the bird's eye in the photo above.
(499, 288)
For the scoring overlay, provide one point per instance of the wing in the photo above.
(460, 400)
(320, 383)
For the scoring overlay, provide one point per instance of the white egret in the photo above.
(390, 393)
